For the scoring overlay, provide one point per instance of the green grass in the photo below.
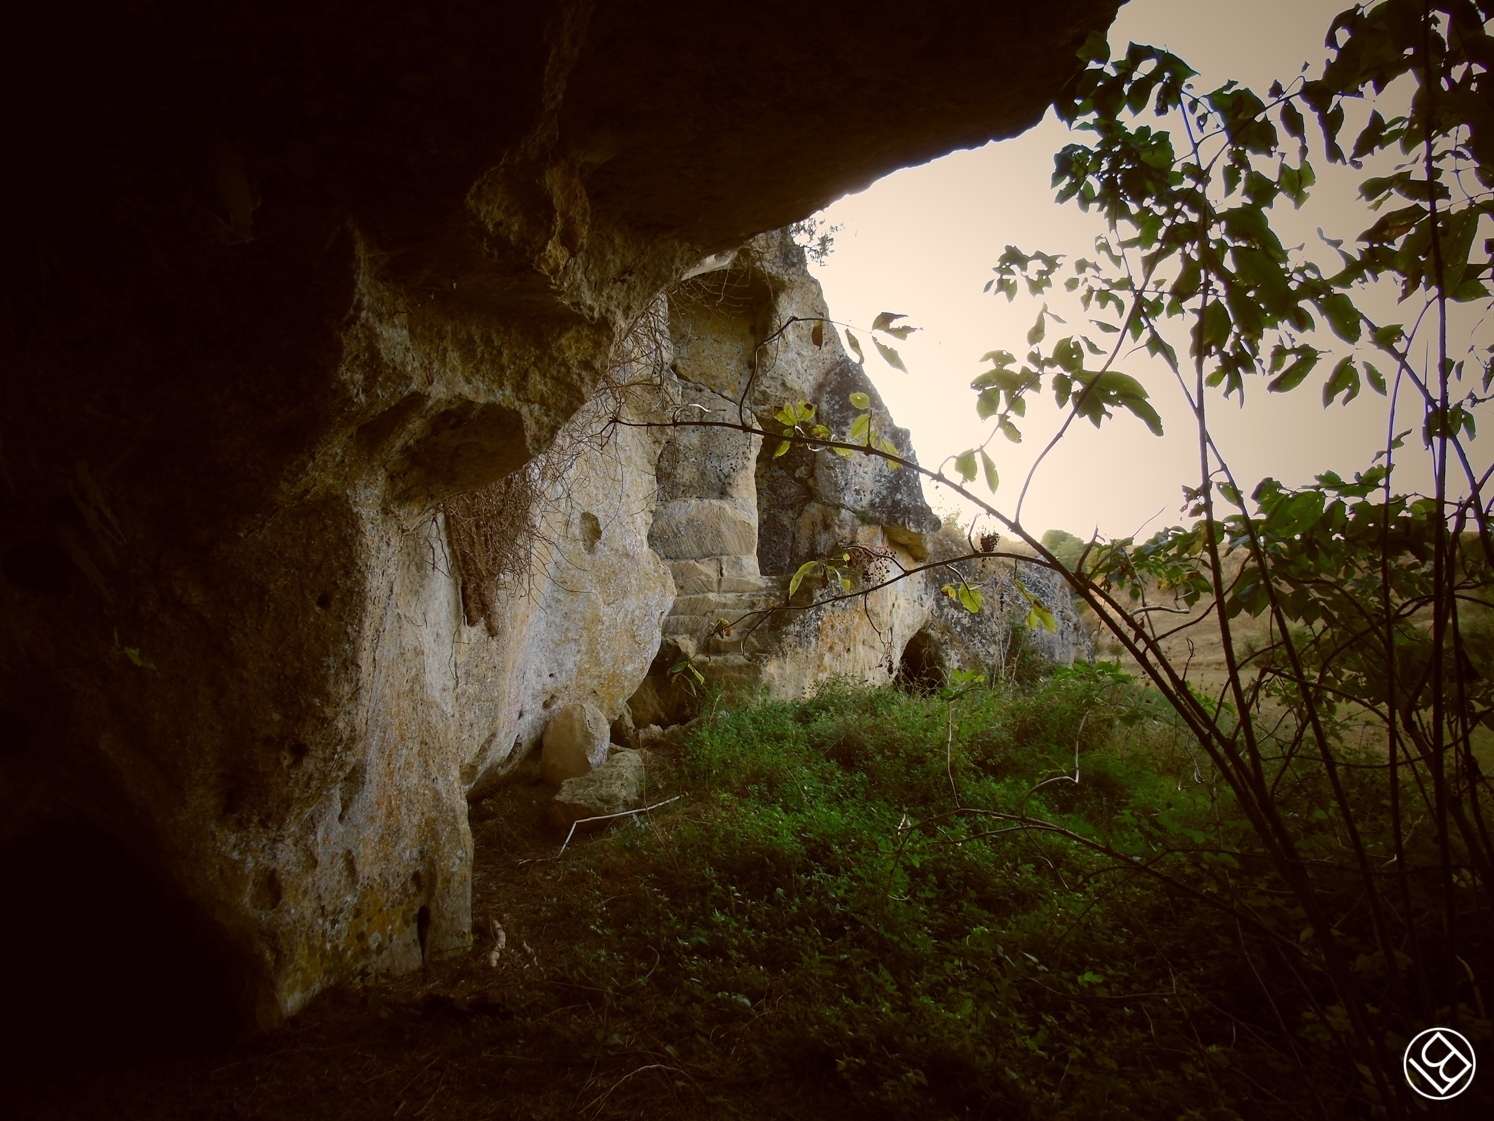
(815, 929)
(811, 916)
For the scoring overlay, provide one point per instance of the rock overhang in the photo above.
(278, 278)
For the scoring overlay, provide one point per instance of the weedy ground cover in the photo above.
(837, 909)
(834, 917)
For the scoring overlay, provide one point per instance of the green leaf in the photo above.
(861, 426)
(1457, 242)
(1156, 344)
(1344, 379)
(1143, 411)
(798, 577)
(1292, 376)
(1040, 618)
(1096, 48)
(855, 348)
(889, 355)
(860, 400)
(886, 320)
(1294, 182)
(1039, 329)
(1216, 324)
(965, 465)
(1376, 378)
(786, 415)
(1371, 137)
(992, 480)
(891, 449)
(966, 596)
(1190, 279)
(1394, 225)
(783, 447)
(1342, 316)
(1468, 291)
(1067, 354)
(970, 599)
(1387, 336)
(1009, 430)
(1291, 120)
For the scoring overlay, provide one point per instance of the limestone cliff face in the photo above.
(644, 539)
(735, 520)
(280, 284)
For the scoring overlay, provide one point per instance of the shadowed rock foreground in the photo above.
(282, 286)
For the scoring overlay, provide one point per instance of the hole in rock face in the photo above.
(591, 531)
(348, 789)
(324, 600)
(922, 668)
(40, 567)
(268, 893)
(423, 928)
(103, 961)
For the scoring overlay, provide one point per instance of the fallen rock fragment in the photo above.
(575, 742)
(613, 787)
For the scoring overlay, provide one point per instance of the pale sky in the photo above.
(923, 240)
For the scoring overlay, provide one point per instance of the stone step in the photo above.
(717, 574)
(719, 604)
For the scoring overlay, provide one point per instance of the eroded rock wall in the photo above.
(737, 519)
(280, 283)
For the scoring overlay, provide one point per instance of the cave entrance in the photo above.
(923, 667)
(102, 961)
(785, 487)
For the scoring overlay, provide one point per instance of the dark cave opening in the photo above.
(922, 668)
(103, 961)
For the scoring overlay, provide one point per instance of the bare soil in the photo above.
(462, 1038)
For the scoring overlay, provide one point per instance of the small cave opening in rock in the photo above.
(103, 962)
(785, 486)
(922, 668)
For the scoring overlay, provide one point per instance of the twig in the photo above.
(609, 817)
(597, 1105)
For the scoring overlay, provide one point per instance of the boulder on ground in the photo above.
(613, 787)
(575, 741)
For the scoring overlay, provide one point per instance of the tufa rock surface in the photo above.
(285, 289)
(575, 742)
(611, 788)
(735, 520)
